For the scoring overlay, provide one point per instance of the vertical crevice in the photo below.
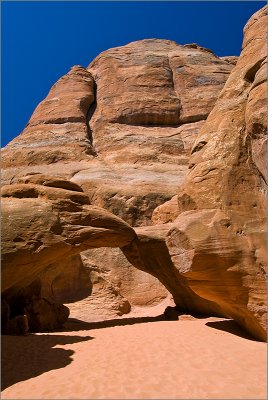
(252, 71)
(90, 113)
(89, 116)
(173, 82)
(171, 74)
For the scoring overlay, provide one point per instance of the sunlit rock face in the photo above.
(57, 130)
(171, 140)
(46, 223)
(218, 240)
(122, 129)
(162, 135)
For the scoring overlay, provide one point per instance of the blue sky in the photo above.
(42, 40)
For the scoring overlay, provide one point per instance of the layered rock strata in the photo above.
(123, 130)
(58, 129)
(124, 127)
(218, 240)
(45, 221)
(139, 125)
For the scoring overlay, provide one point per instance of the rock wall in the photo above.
(218, 240)
(46, 224)
(140, 108)
(123, 130)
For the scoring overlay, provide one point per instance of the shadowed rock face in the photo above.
(149, 252)
(222, 257)
(45, 228)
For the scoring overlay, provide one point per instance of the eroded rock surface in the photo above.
(222, 256)
(217, 242)
(125, 125)
(123, 130)
(41, 227)
(149, 253)
(58, 129)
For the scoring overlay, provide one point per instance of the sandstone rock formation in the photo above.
(149, 252)
(118, 287)
(221, 254)
(138, 96)
(123, 130)
(44, 221)
(128, 124)
(58, 129)
(217, 242)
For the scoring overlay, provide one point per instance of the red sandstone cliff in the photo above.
(121, 131)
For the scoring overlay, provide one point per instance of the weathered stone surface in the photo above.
(26, 310)
(166, 212)
(118, 286)
(65, 281)
(40, 301)
(143, 125)
(58, 129)
(153, 82)
(43, 224)
(210, 253)
(230, 59)
(218, 240)
(222, 257)
(128, 150)
(225, 176)
(150, 253)
(41, 227)
(140, 166)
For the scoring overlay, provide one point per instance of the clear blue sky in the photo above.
(42, 40)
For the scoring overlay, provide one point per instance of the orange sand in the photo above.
(185, 359)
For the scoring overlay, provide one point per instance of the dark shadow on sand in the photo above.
(231, 327)
(74, 324)
(25, 357)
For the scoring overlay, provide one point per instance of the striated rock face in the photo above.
(227, 165)
(149, 252)
(155, 82)
(42, 226)
(58, 129)
(222, 257)
(118, 290)
(118, 135)
(134, 104)
(123, 130)
(217, 242)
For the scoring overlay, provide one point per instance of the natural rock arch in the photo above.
(46, 220)
(214, 247)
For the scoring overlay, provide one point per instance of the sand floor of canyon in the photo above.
(138, 358)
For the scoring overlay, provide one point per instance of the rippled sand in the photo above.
(185, 359)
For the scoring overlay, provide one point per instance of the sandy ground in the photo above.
(186, 359)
